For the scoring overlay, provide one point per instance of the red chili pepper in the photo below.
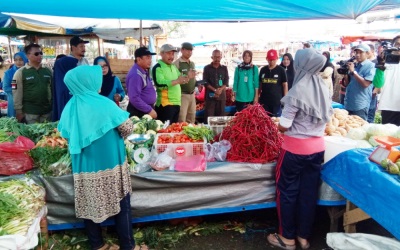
(253, 135)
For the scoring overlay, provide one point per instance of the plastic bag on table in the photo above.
(194, 163)
(21, 144)
(161, 161)
(14, 158)
(217, 151)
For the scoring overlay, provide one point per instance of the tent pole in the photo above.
(98, 46)
(141, 33)
(10, 53)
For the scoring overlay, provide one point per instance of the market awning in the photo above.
(205, 10)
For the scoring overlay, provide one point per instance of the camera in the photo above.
(387, 56)
(344, 68)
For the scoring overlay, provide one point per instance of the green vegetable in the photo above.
(198, 133)
(147, 117)
(139, 128)
(385, 163)
(43, 157)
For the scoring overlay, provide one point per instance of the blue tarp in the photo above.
(199, 10)
(4, 20)
(367, 185)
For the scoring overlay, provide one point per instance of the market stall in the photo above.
(367, 185)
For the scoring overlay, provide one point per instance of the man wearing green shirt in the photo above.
(187, 111)
(168, 80)
(32, 88)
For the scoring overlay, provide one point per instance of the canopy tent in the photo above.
(205, 10)
(52, 26)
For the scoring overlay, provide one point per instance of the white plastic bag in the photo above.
(217, 151)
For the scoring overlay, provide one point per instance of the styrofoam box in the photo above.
(218, 123)
(179, 149)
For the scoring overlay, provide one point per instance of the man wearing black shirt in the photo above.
(217, 79)
(273, 85)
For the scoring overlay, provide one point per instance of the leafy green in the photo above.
(9, 210)
(198, 133)
(43, 157)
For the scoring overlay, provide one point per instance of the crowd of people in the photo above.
(84, 99)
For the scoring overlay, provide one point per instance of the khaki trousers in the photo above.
(187, 112)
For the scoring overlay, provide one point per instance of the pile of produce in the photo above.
(341, 122)
(35, 131)
(253, 135)
(20, 203)
(176, 127)
(176, 138)
(391, 167)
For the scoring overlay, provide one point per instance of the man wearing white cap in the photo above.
(358, 81)
(168, 79)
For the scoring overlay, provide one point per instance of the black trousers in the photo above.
(392, 117)
(169, 112)
(134, 111)
(241, 105)
(214, 108)
(297, 179)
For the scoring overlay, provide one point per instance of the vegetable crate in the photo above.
(179, 149)
(218, 123)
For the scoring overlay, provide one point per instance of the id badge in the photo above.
(13, 84)
(220, 82)
(246, 79)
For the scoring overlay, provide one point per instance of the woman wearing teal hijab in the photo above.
(20, 60)
(95, 127)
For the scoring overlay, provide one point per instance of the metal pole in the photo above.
(141, 33)
(10, 54)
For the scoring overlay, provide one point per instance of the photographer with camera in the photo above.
(358, 82)
(389, 101)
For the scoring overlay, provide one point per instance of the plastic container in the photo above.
(218, 123)
(335, 145)
(179, 149)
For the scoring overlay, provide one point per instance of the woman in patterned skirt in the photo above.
(95, 129)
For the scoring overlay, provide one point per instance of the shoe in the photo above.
(305, 245)
(275, 240)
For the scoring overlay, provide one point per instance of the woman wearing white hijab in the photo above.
(303, 122)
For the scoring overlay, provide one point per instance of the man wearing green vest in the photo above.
(32, 88)
(187, 112)
(168, 80)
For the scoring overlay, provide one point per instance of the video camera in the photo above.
(344, 68)
(387, 56)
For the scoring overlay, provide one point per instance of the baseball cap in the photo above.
(272, 54)
(76, 40)
(187, 46)
(168, 48)
(363, 47)
(143, 51)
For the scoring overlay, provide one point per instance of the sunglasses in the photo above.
(37, 53)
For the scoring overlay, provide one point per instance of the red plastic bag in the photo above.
(21, 144)
(194, 163)
(14, 158)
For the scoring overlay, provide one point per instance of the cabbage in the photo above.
(373, 142)
(151, 132)
(397, 134)
(377, 130)
(363, 144)
(391, 129)
(357, 134)
(366, 126)
(147, 117)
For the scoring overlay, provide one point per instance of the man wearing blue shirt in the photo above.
(358, 81)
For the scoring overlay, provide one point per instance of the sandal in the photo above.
(303, 246)
(275, 240)
(141, 247)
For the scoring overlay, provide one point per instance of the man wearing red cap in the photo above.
(273, 85)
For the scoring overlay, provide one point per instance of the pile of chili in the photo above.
(253, 135)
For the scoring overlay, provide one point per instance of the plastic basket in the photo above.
(218, 123)
(179, 149)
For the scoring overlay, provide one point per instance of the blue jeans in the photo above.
(123, 225)
(363, 113)
(372, 109)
